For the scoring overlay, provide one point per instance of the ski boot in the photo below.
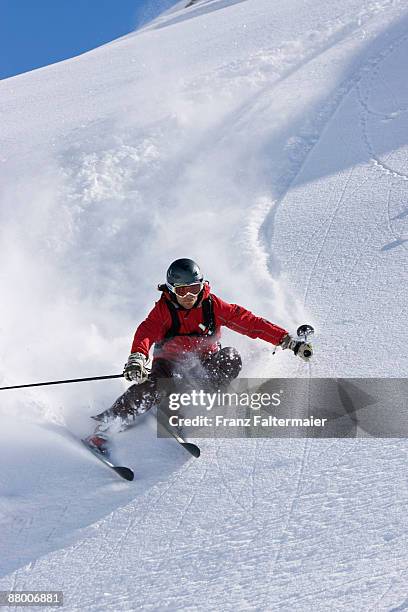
(99, 442)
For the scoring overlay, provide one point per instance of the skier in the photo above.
(184, 327)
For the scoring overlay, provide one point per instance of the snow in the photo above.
(268, 141)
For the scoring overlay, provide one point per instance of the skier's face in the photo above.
(187, 301)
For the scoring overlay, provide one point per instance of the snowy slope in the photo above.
(147, 11)
(267, 141)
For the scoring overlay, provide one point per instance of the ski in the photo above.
(193, 449)
(123, 472)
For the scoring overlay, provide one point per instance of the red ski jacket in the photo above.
(159, 321)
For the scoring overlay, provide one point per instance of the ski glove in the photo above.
(304, 350)
(135, 368)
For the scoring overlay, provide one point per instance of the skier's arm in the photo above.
(244, 322)
(151, 330)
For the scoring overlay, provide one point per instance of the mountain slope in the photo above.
(267, 142)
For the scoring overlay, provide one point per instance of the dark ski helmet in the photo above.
(183, 272)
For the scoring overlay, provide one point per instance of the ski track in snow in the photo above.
(362, 82)
(373, 66)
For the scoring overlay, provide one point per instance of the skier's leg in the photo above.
(223, 366)
(136, 400)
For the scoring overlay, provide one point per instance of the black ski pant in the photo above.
(217, 370)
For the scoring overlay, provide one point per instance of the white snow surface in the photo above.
(268, 141)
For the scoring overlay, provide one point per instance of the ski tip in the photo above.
(124, 472)
(192, 448)
(121, 471)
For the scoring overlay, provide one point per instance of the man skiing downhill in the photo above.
(185, 328)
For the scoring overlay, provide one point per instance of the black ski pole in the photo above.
(62, 382)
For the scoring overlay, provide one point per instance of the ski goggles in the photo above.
(184, 290)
